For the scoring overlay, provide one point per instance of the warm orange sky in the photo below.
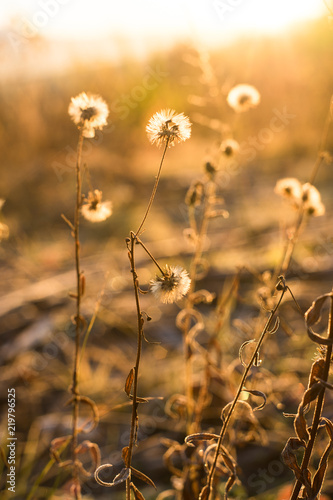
(158, 21)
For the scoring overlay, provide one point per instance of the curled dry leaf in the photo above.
(225, 410)
(57, 446)
(202, 296)
(192, 439)
(260, 395)
(124, 474)
(93, 422)
(189, 317)
(312, 316)
(275, 327)
(241, 349)
(300, 423)
(317, 371)
(319, 477)
(175, 406)
(94, 452)
(289, 455)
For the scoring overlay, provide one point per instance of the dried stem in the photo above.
(152, 196)
(224, 427)
(150, 254)
(131, 255)
(75, 390)
(318, 409)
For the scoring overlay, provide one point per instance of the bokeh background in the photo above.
(142, 57)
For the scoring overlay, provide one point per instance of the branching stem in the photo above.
(318, 409)
(224, 427)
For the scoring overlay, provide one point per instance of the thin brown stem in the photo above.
(318, 409)
(134, 417)
(150, 254)
(75, 382)
(224, 427)
(152, 196)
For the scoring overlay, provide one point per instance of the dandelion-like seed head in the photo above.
(168, 127)
(94, 210)
(290, 188)
(89, 113)
(173, 285)
(243, 97)
(229, 147)
(311, 198)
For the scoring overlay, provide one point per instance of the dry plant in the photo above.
(165, 128)
(89, 113)
(206, 458)
(215, 457)
(314, 394)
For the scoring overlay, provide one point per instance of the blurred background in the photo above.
(142, 57)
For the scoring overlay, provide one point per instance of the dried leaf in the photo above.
(239, 402)
(189, 319)
(289, 456)
(317, 371)
(175, 406)
(312, 316)
(124, 454)
(58, 445)
(275, 327)
(241, 349)
(260, 395)
(129, 381)
(319, 477)
(202, 296)
(94, 452)
(300, 422)
(124, 474)
(143, 477)
(192, 439)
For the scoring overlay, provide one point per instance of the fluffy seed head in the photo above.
(242, 97)
(94, 210)
(89, 113)
(166, 126)
(290, 188)
(312, 200)
(229, 147)
(172, 285)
